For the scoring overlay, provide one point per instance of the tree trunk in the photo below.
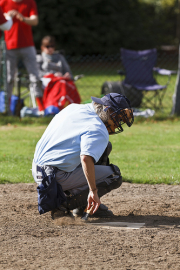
(178, 21)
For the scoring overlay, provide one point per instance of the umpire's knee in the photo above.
(115, 182)
(117, 177)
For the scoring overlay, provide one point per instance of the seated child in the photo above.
(51, 61)
(57, 78)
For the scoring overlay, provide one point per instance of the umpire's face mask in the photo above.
(118, 118)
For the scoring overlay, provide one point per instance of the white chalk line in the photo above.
(119, 225)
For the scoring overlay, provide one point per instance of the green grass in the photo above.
(148, 152)
(17, 145)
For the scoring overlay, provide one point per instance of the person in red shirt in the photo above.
(5, 21)
(20, 44)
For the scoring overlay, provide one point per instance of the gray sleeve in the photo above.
(7, 25)
(47, 66)
(50, 66)
(65, 66)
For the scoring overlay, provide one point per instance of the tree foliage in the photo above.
(102, 26)
(161, 3)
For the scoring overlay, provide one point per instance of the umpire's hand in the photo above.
(93, 200)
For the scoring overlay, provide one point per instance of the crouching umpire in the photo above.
(71, 164)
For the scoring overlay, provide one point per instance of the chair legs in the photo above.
(153, 99)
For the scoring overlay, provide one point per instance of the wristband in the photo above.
(94, 189)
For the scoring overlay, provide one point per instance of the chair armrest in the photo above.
(121, 72)
(163, 71)
(77, 77)
(166, 72)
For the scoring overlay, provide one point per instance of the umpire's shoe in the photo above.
(102, 212)
(61, 212)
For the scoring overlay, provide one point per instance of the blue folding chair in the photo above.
(139, 82)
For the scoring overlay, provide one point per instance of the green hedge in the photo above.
(102, 27)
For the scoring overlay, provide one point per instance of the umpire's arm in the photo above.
(89, 172)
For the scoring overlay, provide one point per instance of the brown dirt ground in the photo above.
(30, 241)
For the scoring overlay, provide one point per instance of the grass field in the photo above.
(148, 152)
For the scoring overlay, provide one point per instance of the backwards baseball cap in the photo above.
(114, 101)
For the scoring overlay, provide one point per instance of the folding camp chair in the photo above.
(139, 77)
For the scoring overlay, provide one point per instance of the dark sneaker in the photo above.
(60, 212)
(102, 212)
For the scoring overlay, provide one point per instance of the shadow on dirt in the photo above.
(151, 221)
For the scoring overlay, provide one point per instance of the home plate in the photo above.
(119, 225)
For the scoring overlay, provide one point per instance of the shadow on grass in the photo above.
(4, 181)
(150, 182)
(7, 181)
(159, 117)
(14, 120)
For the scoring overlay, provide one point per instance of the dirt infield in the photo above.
(30, 241)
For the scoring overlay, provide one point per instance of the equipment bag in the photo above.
(50, 193)
(135, 96)
(59, 93)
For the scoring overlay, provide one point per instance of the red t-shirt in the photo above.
(2, 20)
(20, 34)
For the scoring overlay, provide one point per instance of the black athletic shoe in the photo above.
(102, 212)
(61, 212)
